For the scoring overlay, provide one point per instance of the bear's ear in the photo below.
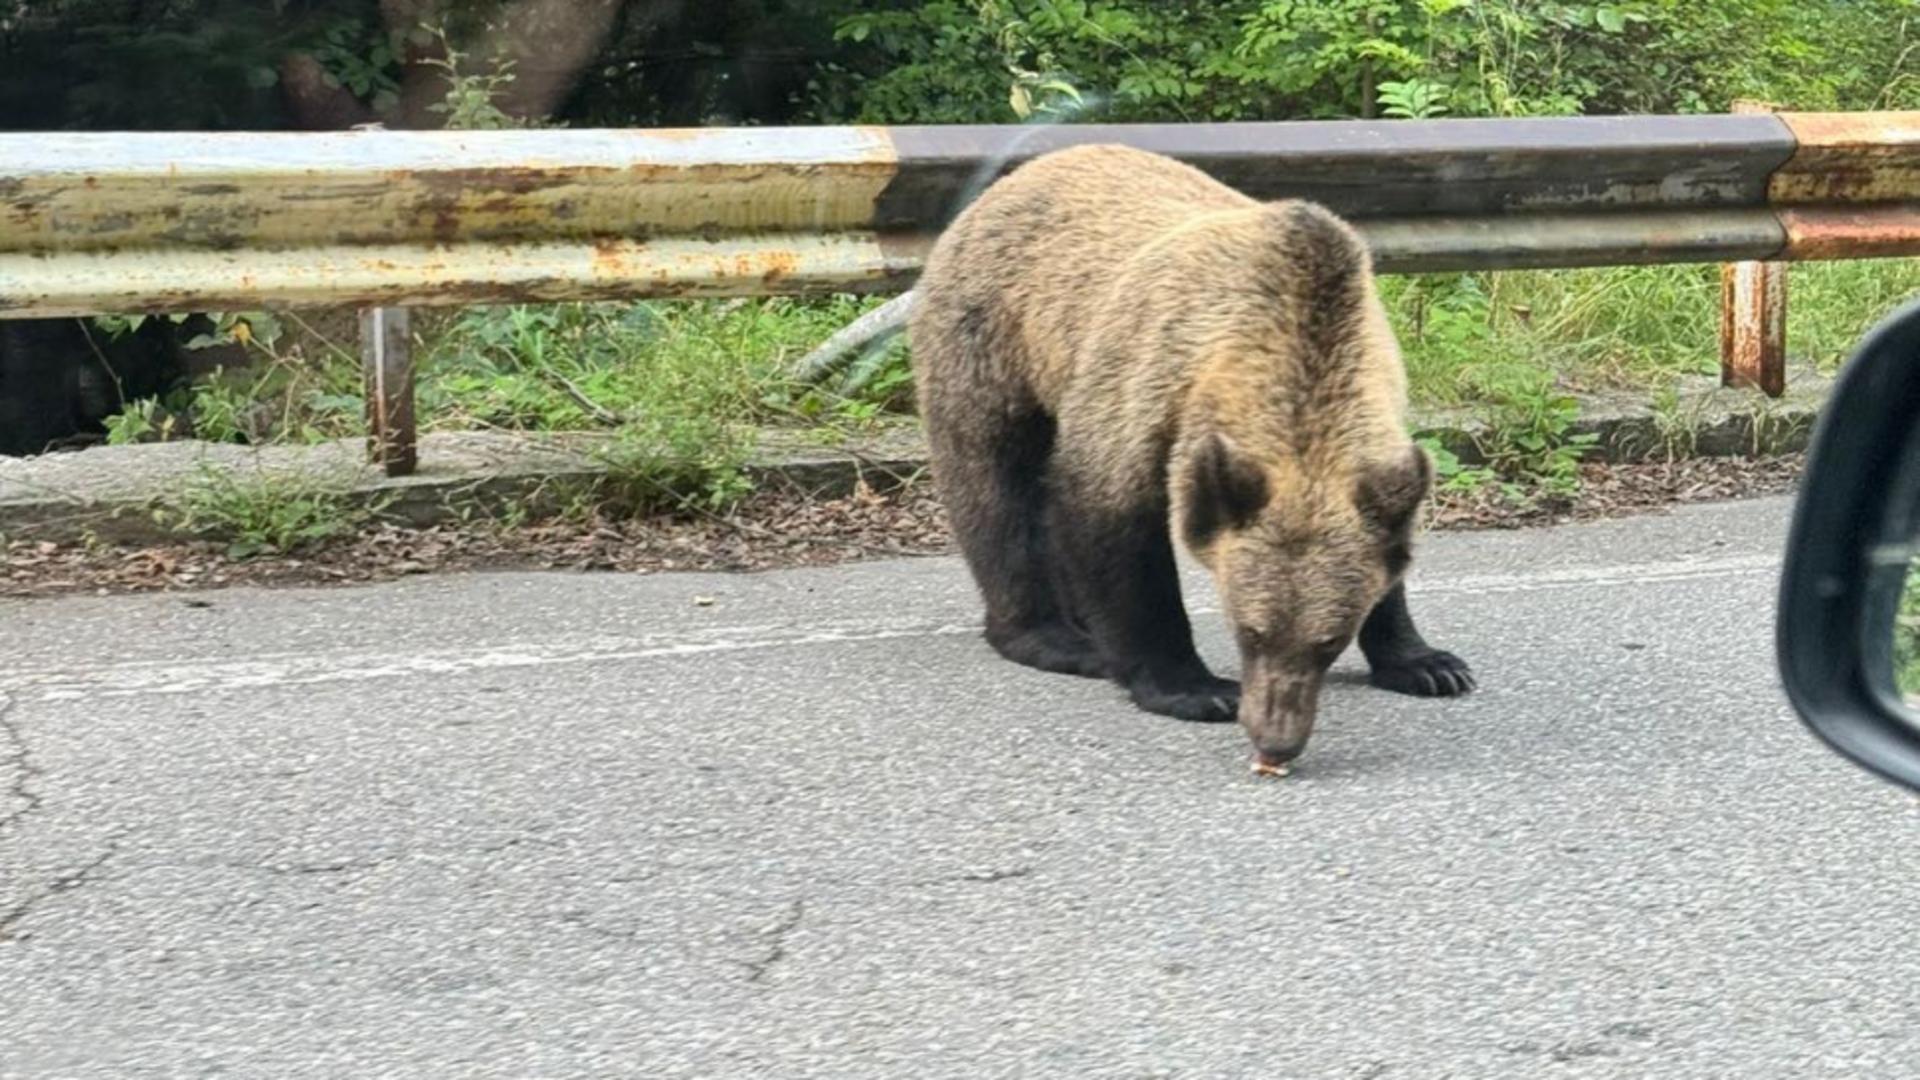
(1388, 495)
(1226, 490)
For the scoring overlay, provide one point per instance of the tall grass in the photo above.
(575, 366)
(1627, 328)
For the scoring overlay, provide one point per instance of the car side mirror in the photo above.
(1848, 632)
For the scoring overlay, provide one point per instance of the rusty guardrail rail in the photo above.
(95, 223)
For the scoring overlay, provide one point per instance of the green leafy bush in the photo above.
(987, 60)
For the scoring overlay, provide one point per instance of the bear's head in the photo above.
(1301, 550)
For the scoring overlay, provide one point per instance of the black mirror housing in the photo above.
(1848, 551)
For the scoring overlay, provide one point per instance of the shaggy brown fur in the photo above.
(1108, 339)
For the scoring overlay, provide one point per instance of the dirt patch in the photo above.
(767, 532)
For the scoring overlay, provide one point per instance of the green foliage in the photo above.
(279, 398)
(358, 55)
(215, 64)
(998, 60)
(1831, 54)
(1830, 305)
(1529, 439)
(681, 386)
(145, 420)
(575, 365)
(223, 327)
(1453, 341)
(1676, 428)
(1449, 472)
(260, 328)
(674, 462)
(469, 103)
(656, 368)
(978, 61)
(1621, 328)
(876, 383)
(104, 65)
(262, 513)
(1598, 329)
(1413, 99)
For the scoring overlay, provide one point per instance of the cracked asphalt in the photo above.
(803, 824)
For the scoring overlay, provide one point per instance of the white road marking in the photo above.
(189, 675)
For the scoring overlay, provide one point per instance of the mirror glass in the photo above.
(1893, 592)
(1891, 645)
(1906, 638)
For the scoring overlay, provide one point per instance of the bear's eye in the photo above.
(1250, 638)
(1327, 650)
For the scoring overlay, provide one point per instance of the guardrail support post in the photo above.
(1753, 326)
(386, 351)
(1753, 316)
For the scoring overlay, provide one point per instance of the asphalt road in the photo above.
(803, 824)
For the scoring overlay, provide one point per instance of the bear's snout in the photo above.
(1277, 704)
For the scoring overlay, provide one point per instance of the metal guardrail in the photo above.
(95, 223)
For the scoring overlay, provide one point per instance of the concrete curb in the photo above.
(110, 492)
(1703, 419)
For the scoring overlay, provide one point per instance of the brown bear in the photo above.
(1112, 348)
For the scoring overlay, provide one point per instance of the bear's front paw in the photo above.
(1199, 698)
(1427, 673)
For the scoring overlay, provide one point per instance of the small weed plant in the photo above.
(1529, 439)
(261, 513)
(470, 103)
(674, 464)
(145, 420)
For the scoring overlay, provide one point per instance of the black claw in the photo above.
(1432, 673)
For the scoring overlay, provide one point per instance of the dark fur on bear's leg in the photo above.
(1052, 638)
(1055, 647)
(1402, 660)
(1123, 582)
(996, 494)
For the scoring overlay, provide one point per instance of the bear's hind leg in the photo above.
(1401, 659)
(992, 482)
